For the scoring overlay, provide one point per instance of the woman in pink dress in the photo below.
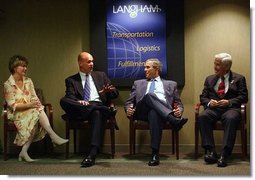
(25, 109)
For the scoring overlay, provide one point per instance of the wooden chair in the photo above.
(218, 126)
(9, 126)
(135, 124)
(75, 125)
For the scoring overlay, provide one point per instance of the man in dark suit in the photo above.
(87, 96)
(152, 99)
(222, 96)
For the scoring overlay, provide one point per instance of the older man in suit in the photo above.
(87, 96)
(152, 99)
(222, 96)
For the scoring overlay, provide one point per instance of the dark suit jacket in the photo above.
(74, 89)
(139, 89)
(236, 94)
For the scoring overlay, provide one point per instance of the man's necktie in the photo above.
(86, 91)
(152, 86)
(221, 88)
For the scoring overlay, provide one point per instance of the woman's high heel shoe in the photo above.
(58, 141)
(25, 157)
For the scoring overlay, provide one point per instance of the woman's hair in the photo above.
(15, 61)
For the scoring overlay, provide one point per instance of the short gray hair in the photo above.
(156, 63)
(225, 58)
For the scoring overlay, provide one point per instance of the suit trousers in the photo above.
(156, 112)
(96, 113)
(156, 127)
(151, 101)
(230, 118)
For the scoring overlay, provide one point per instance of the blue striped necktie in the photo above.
(152, 86)
(86, 91)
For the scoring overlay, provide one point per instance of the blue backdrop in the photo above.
(136, 31)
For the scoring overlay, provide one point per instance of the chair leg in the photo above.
(196, 139)
(177, 145)
(173, 142)
(48, 145)
(112, 141)
(131, 137)
(74, 141)
(130, 143)
(5, 144)
(243, 142)
(49, 139)
(45, 144)
(134, 140)
(67, 137)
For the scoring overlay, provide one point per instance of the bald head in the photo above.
(84, 55)
(85, 61)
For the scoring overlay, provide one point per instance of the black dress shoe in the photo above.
(88, 161)
(222, 161)
(211, 158)
(179, 123)
(154, 160)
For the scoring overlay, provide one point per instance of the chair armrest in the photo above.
(243, 113)
(131, 118)
(5, 113)
(113, 112)
(132, 121)
(243, 108)
(197, 108)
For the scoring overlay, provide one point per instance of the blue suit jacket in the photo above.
(139, 89)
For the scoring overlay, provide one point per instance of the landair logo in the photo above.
(134, 9)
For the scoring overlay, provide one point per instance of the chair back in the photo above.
(39, 93)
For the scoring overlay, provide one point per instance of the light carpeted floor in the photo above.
(124, 165)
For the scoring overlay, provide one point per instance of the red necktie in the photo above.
(221, 88)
